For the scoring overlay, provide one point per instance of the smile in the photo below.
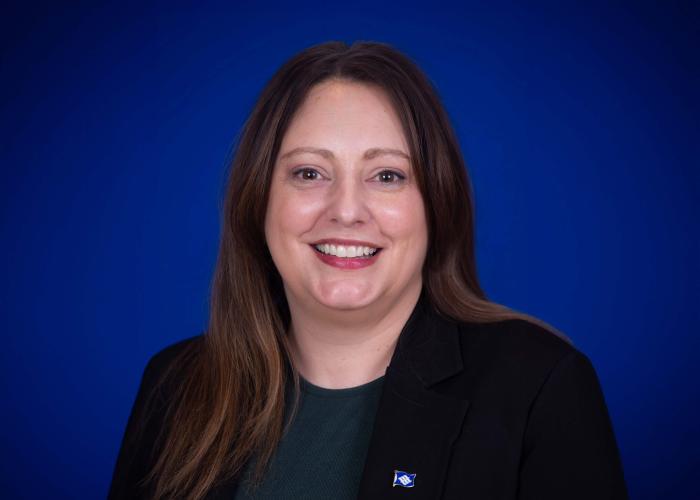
(346, 250)
(346, 257)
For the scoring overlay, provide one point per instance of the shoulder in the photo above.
(516, 357)
(164, 357)
(515, 340)
(167, 362)
(147, 418)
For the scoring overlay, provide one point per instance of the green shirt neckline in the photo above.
(345, 392)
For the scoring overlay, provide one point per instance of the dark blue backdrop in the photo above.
(580, 128)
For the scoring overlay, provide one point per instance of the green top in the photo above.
(323, 454)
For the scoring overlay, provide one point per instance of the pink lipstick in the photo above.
(346, 262)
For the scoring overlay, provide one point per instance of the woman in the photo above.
(351, 352)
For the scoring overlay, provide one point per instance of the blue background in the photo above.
(579, 123)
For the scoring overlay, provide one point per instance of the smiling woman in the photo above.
(351, 351)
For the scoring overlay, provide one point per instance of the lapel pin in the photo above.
(404, 479)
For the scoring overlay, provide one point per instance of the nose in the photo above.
(347, 204)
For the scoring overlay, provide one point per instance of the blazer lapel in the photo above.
(415, 427)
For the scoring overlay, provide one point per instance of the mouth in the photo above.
(362, 256)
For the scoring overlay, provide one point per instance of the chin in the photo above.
(339, 297)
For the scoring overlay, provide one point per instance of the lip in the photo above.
(341, 241)
(348, 263)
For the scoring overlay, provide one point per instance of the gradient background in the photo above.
(579, 123)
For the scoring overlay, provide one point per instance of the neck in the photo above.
(348, 348)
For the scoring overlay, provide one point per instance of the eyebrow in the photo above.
(328, 154)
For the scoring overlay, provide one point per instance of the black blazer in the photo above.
(499, 411)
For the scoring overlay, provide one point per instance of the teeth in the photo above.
(346, 251)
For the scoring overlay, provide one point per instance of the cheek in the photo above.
(291, 214)
(405, 218)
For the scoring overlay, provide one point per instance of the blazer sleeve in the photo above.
(569, 449)
(138, 443)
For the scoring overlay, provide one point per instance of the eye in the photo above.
(389, 176)
(306, 170)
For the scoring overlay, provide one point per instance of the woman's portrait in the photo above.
(346, 276)
(399, 274)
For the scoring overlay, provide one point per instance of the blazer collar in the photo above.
(415, 427)
(428, 345)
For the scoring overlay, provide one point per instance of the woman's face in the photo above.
(348, 191)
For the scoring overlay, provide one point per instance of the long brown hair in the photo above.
(230, 406)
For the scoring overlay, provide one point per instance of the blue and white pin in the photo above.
(405, 479)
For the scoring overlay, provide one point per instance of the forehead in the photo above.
(346, 116)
